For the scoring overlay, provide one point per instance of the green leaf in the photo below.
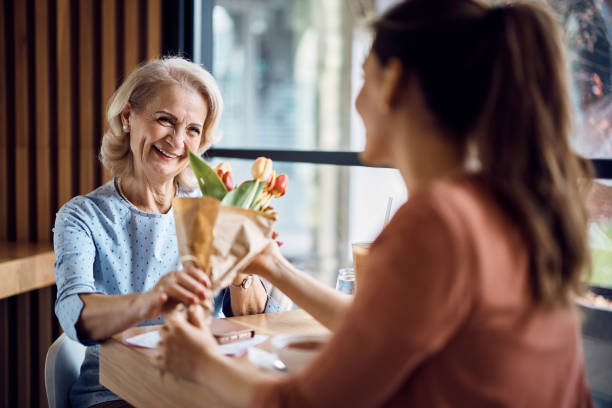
(209, 181)
(257, 194)
(244, 195)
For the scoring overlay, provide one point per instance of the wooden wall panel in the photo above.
(42, 123)
(5, 350)
(45, 327)
(3, 131)
(131, 28)
(5, 337)
(61, 62)
(109, 61)
(87, 155)
(22, 121)
(24, 355)
(153, 31)
(64, 104)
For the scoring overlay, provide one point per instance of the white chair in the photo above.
(62, 366)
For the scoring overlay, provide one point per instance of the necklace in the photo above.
(120, 191)
(122, 194)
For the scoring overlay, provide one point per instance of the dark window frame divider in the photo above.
(603, 167)
(177, 28)
(339, 158)
(178, 39)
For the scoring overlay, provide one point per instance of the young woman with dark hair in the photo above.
(466, 296)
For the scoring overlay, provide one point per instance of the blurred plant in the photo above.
(587, 25)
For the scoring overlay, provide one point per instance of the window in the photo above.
(284, 68)
(289, 71)
(326, 208)
(588, 28)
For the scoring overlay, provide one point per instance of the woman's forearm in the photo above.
(103, 315)
(234, 383)
(322, 302)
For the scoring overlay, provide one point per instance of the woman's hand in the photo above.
(189, 286)
(186, 344)
(321, 301)
(268, 264)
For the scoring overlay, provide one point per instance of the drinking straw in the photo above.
(388, 214)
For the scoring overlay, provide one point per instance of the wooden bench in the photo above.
(25, 267)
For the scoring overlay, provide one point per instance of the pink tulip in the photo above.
(279, 188)
(228, 180)
(271, 182)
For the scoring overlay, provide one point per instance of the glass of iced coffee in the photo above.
(360, 252)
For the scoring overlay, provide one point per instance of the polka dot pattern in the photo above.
(105, 245)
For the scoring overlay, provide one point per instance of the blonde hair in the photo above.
(138, 89)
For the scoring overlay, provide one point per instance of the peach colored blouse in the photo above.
(444, 318)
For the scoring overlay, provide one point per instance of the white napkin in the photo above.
(265, 359)
(146, 340)
(150, 340)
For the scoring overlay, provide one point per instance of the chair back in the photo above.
(62, 367)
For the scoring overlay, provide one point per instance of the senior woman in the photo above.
(116, 249)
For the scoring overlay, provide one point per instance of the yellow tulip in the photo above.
(262, 169)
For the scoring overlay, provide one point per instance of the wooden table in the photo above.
(129, 371)
(24, 267)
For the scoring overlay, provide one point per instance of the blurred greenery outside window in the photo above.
(588, 28)
(289, 72)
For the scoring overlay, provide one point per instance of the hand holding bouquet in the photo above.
(224, 229)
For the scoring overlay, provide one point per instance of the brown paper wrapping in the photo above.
(220, 240)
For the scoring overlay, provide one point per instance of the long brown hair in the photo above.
(497, 78)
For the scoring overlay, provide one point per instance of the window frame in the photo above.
(178, 38)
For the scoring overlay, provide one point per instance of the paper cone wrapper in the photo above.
(220, 240)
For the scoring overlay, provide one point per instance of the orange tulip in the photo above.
(224, 167)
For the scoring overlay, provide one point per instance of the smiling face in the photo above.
(401, 130)
(371, 105)
(163, 131)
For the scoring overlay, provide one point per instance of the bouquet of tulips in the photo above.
(253, 194)
(222, 231)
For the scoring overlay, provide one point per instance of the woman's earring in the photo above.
(125, 128)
